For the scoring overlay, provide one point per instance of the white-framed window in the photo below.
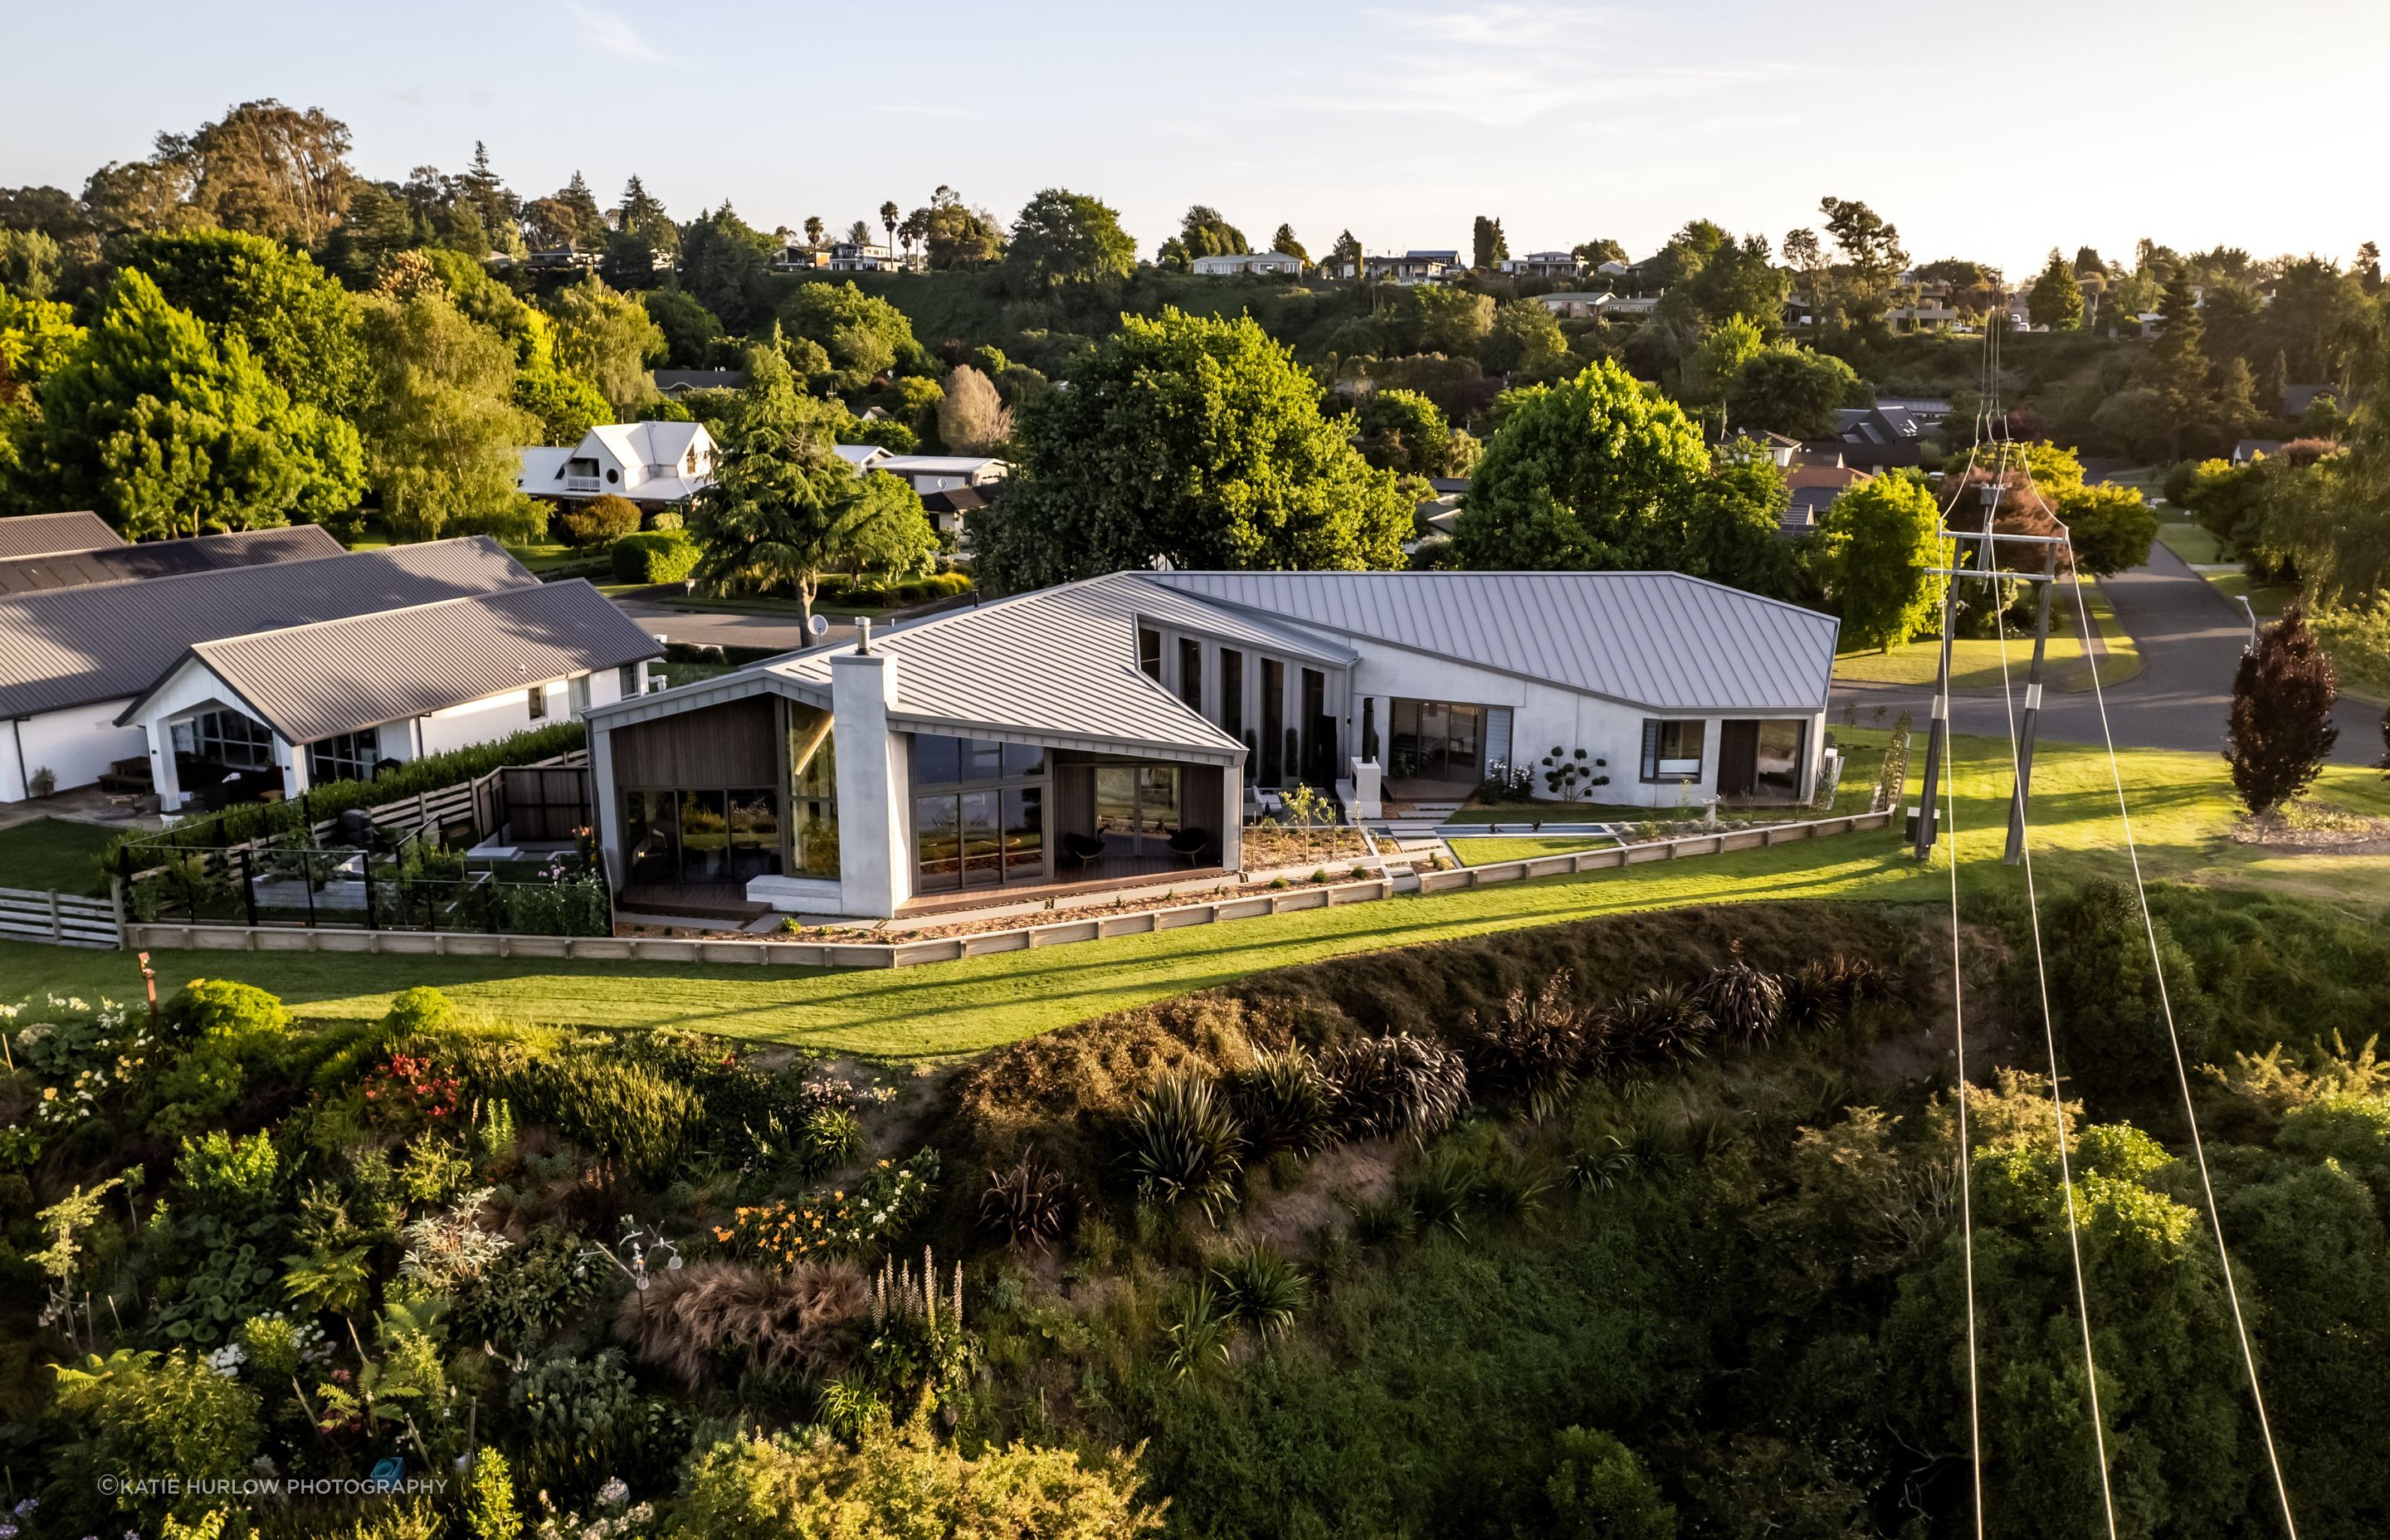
(345, 757)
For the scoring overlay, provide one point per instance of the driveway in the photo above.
(779, 632)
(2190, 639)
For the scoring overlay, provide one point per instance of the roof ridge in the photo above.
(379, 552)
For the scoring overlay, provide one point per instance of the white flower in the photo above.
(615, 1493)
(227, 1359)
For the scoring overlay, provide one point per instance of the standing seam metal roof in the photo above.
(71, 646)
(310, 682)
(1061, 660)
(48, 533)
(1657, 639)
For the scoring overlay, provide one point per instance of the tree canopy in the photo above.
(1065, 238)
(1192, 438)
(1880, 540)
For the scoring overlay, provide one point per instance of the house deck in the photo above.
(1094, 877)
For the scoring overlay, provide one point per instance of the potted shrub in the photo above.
(43, 782)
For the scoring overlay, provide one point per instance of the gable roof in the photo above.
(1657, 639)
(309, 682)
(166, 558)
(70, 646)
(45, 533)
(645, 443)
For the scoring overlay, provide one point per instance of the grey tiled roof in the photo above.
(70, 646)
(41, 533)
(166, 558)
(310, 682)
(1657, 639)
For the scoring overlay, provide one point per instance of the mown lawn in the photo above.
(2191, 541)
(2181, 809)
(1975, 662)
(1518, 847)
(53, 854)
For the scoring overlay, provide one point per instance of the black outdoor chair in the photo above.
(1190, 844)
(1081, 848)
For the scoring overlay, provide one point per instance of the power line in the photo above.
(2181, 1069)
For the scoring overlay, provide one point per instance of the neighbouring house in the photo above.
(1123, 725)
(97, 683)
(675, 383)
(928, 473)
(25, 534)
(1924, 315)
(2250, 449)
(795, 256)
(563, 259)
(653, 464)
(1631, 307)
(1543, 264)
(849, 256)
(1779, 447)
(1400, 267)
(1878, 438)
(1816, 479)
(158, 558)
(1234, 265)
(1577, 304)
(1929, 411)
(951, 509)
(2296, 399)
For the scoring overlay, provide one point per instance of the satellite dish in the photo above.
(818, 625)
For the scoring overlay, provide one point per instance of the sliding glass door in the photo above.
(1138, 807)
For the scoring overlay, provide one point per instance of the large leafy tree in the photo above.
(2110, 526)
(691, 330)
(953, 234)
(1731, 530)
(726, 265)
(1881, 539)
(1487, 245)
(568, 217)
(861, 335)
(441, 431)
(1065, 238)
(1791, 389)
(1524, 342)
(1193, 438)
(301, 326)
(1592, 474)
(605, 336)
(263, 169)
(1204, 233)
(1406, 433)
(167, 428)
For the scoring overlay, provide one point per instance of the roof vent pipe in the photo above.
(863, 625)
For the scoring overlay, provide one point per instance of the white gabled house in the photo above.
(653, 464)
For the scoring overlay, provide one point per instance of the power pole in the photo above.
(2032, 700)
(1930, 806)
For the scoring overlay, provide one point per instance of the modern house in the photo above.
(928, 473)
(1234, 265)
(194, 685)
(653, 464)
(1544, 264)
(1123, 725)
(1577, 304)
(1400, 267)
(1881, 437)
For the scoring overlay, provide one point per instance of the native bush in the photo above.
(2107, 1002)
(1197, 1328)
(1442, 1186)
(1398, 1083)
(1028, 1203)
(1184, 1143)
(1744, 1001)
(1282, 1104)
(1261, 1290)
(1657, 1024)
(657, 556)
(1530, 1050)
(600, 520)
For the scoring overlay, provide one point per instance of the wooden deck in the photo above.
(694, 900)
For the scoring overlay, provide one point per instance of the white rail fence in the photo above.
(1095, 926)
(61, 919)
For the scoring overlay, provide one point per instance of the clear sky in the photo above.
(1993, 132)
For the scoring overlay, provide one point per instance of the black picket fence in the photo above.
(414, 887)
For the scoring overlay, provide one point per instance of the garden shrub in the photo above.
(240, 1015)
(683, 1320)
(656, 556)
(527, 1293)
(1600, 1490)
(599, 519)
(1183, 1143)
(1380, 1087)
(614, 1108)
(224, 1175)
(148, 1414)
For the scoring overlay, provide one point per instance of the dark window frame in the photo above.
(1653, 726)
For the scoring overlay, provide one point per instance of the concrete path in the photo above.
(780, 632)
(2190, 638)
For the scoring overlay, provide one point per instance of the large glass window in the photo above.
(348, 757)
(1190, 674)
(1437, 740)
(1138, 806)
(979, 812)
(1149, 653)
(1779, 768)
(813, 794)
(1319, 731)
(227, 738)
(1232, 692)
(1672, 750)
(1274, 763)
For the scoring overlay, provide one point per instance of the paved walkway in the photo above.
(2190, 639)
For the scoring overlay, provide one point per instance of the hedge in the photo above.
(938, 586)
(655, 556)
(432, 772)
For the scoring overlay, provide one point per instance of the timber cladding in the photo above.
(735, 744)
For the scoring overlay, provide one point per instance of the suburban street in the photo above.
(2190, 639)
(782, 633)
